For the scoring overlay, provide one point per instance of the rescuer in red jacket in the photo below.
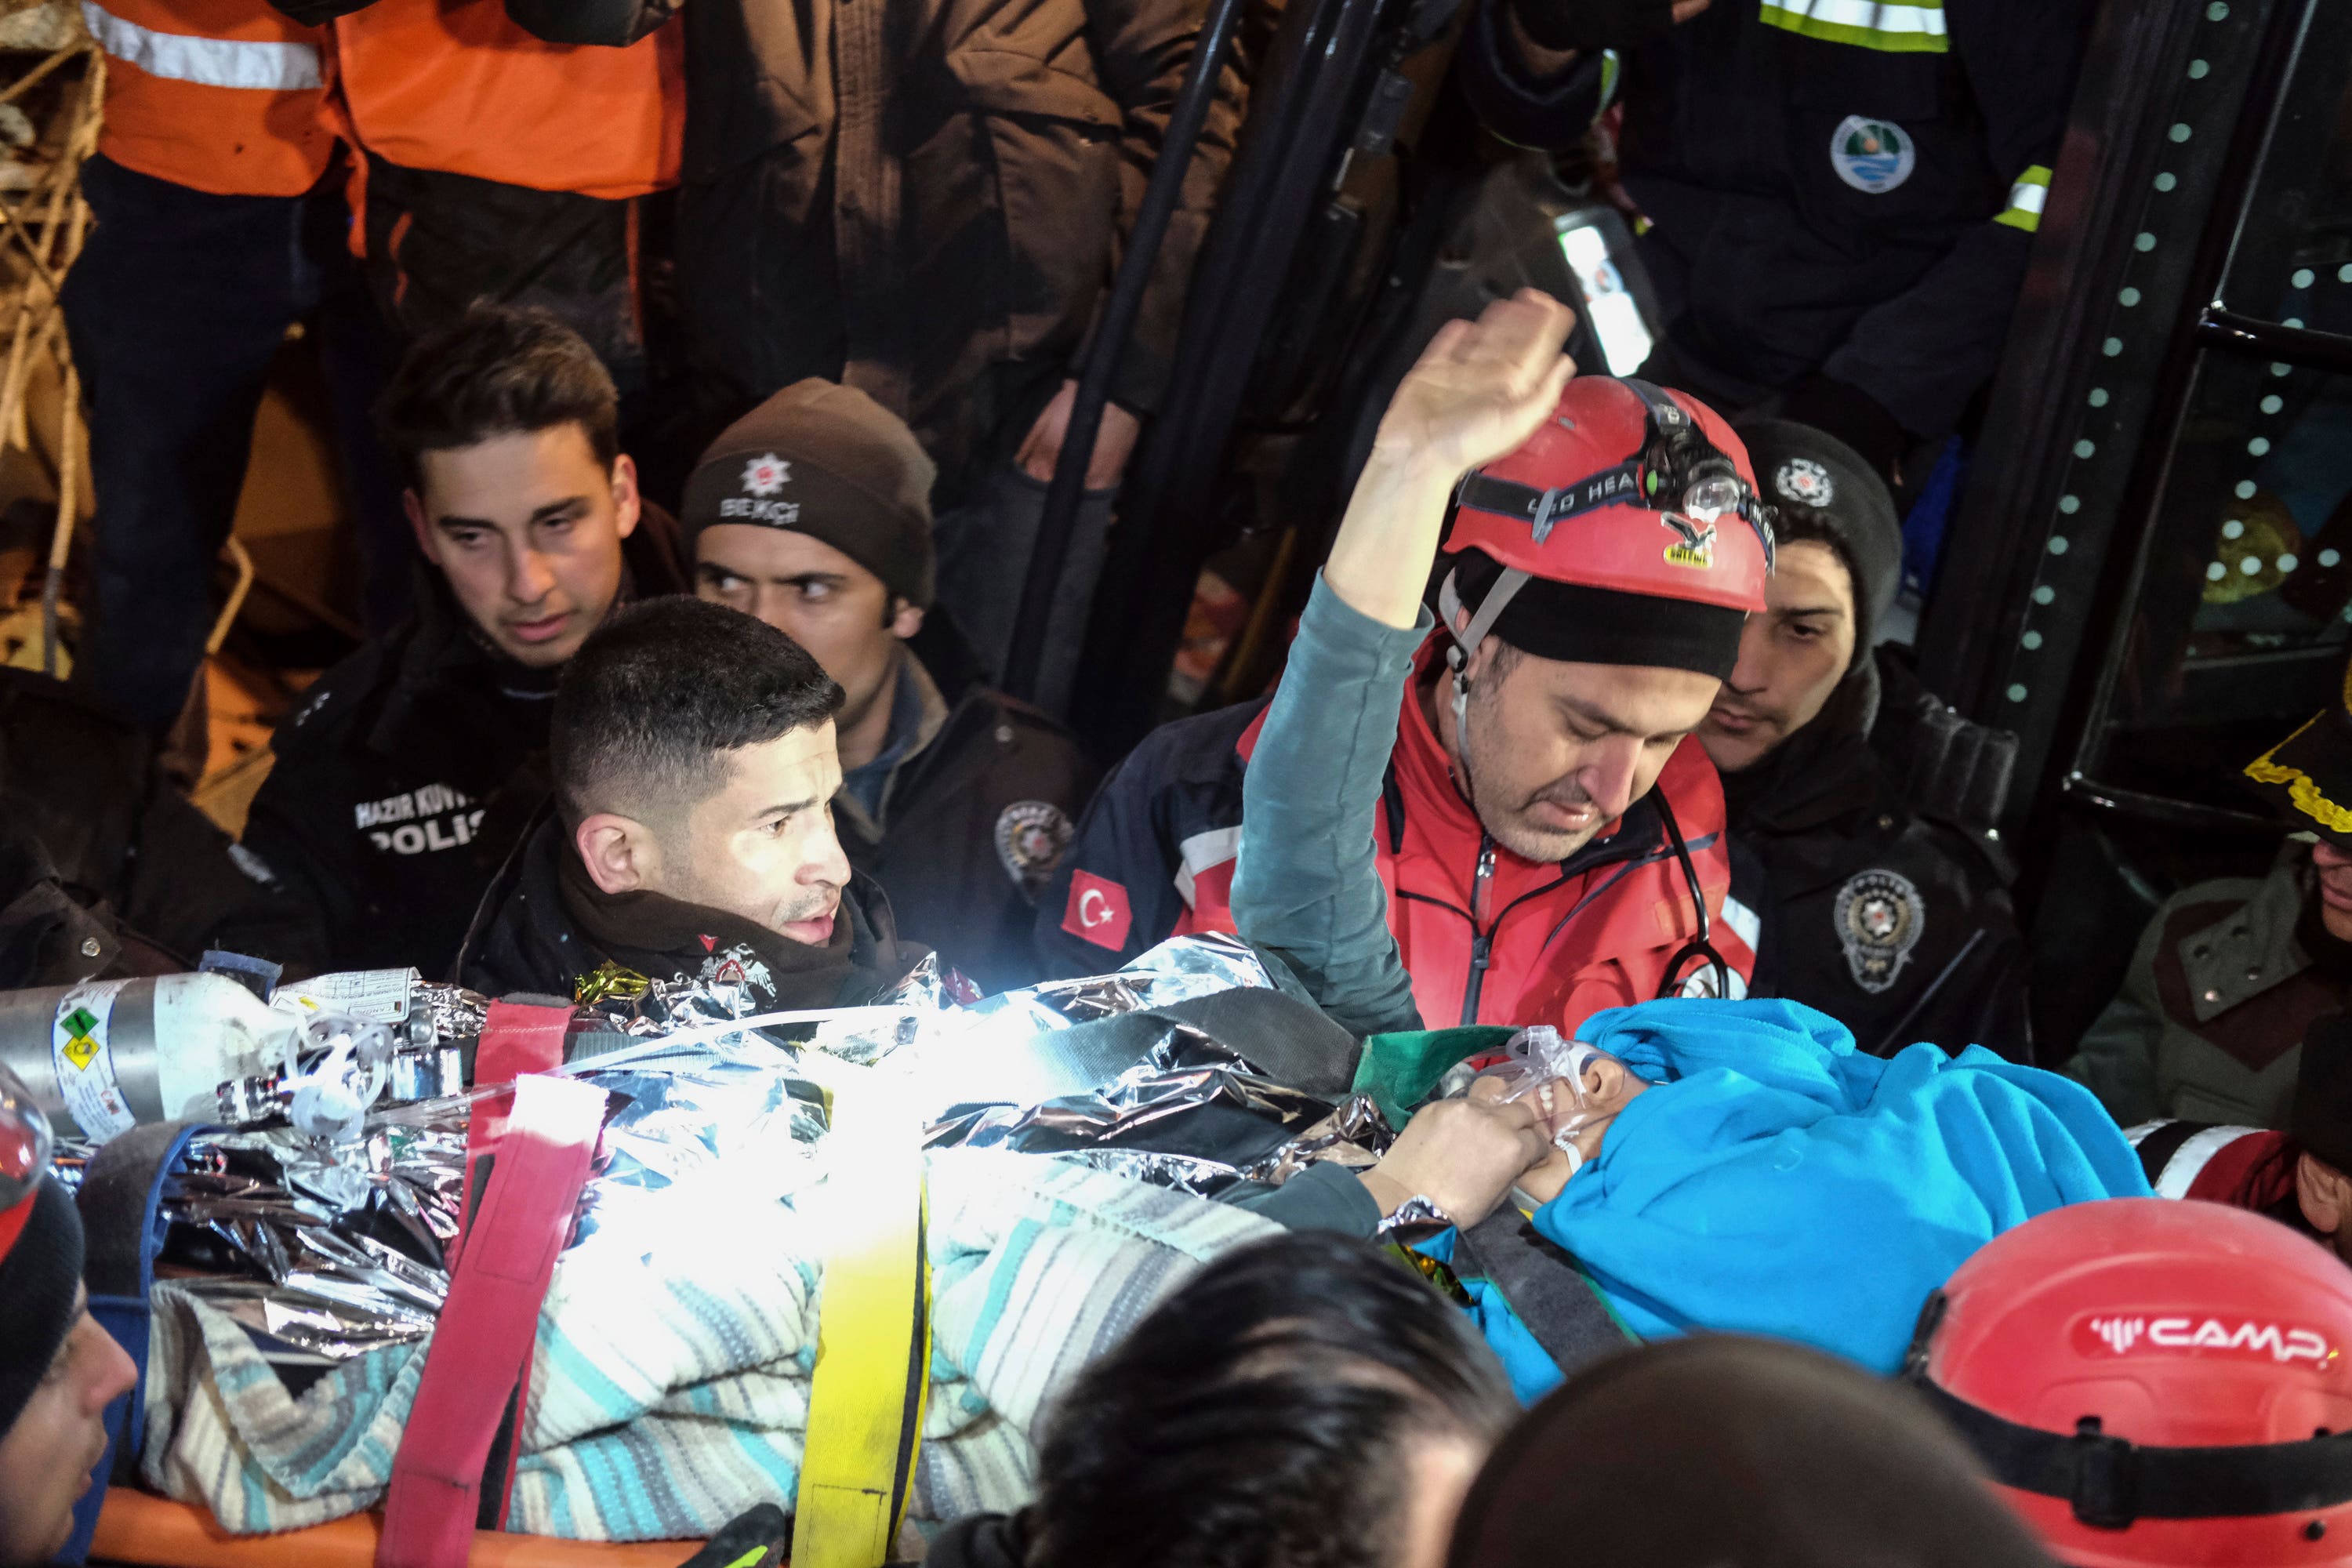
(1548, 845)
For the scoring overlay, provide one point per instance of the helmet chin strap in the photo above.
(1465, 643)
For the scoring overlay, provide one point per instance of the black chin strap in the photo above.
(2111, 1481)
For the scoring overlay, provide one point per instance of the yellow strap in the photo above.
(874, 1332)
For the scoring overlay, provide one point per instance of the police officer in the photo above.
(412, 767)
(1884, 912)
(1841, 196)
(813, 512)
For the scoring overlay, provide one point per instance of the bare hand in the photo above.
(1041, 452)
(1685, 10)
(1481, 387)
(1544, 1182)
(1462, 1155)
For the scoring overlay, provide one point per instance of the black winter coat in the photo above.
(1897, 923)
(1783, 249)
(404, 780)
(923, 198)
(973, 823)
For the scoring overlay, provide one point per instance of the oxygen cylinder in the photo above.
(103, 1056)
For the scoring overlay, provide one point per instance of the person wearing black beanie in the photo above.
(813, 513)
(1881, 910)
(1722, 1449)
(59, 1371)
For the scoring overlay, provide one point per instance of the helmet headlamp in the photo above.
(1678, 469)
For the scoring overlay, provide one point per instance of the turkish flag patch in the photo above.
(1099, 910)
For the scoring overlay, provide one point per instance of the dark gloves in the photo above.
(1588, 25)
(1854, 416)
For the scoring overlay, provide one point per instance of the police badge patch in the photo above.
(1030, 838)
(1879, 916)
(1806, 482)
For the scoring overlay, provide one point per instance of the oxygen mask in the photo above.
(1537, 1065)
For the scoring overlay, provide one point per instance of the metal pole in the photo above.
(1059, 519)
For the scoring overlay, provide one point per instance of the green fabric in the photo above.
(1399, 1071)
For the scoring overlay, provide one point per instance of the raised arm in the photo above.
(1307, 883)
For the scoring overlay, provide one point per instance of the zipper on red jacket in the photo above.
(1482, 943)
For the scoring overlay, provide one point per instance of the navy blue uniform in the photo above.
(1843, 193)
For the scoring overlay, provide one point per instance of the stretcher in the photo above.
(867, 1396)
(136, 1526)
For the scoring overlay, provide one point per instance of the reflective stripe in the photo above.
(1866, 23)
(1744, 920)
(1197, 854)
(208, 62)
(1612, 70)
(2025, 200)
(2180, 1172)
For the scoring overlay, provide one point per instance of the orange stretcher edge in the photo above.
(156, 1533)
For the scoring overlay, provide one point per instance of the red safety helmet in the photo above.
(2155, 1382)
(1625, 487)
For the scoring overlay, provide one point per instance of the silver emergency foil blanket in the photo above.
(331, 1248)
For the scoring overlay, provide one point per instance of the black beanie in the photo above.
(1580, 623)
(1821, 487)
(1723, 1449)
(40, 1280)
(828, 461)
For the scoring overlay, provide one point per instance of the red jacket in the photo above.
(1551, 942)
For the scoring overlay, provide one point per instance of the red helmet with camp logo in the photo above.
(2155, 1382)
(1625, 487)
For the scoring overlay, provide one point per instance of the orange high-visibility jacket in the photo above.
(219, 95)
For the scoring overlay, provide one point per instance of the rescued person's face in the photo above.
(528, 529)
(2335, 868)
(816, 595)
(761, 846)
(48, 1456)
(1557, 751)
(1790, 658)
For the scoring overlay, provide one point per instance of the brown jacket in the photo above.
(2209, 1026)
(923, 198)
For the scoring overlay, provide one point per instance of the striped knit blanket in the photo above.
(670, 1385)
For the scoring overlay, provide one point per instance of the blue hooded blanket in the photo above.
(1773, 1179)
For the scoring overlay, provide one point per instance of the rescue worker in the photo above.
(58, 1369)
(814, 513)
(929, 212)
(1849, 255)
(499, 167)
(1891, 918)
(2151, 1384)
(2231, 974)
(1548, 845)
(692, 830)
(412, 767)
(216, 192)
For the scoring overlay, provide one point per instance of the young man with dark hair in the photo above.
(1888, 912)
(814, 513)
(1303, 1402)
(411, 769)
(695, 767)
